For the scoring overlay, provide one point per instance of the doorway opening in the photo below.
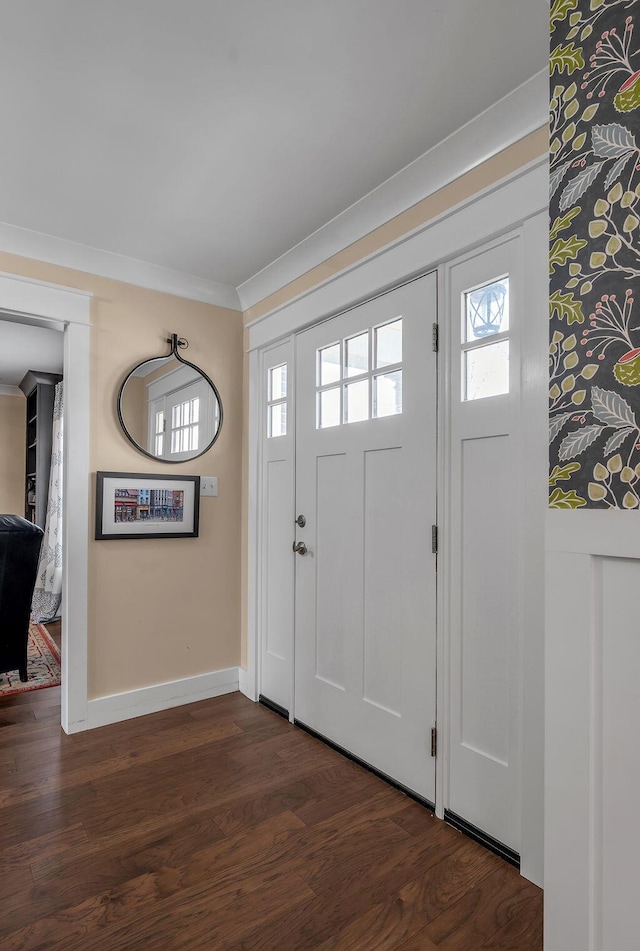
(31, 483)
(65, 312)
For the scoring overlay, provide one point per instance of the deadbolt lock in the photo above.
(301, 521)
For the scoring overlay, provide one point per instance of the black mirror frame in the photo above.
(176, 343)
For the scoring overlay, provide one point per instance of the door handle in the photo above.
(300, 548)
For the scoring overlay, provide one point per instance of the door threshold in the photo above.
(498, 848)
(370, 769)
(272, 705)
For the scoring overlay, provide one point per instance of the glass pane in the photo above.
(175, 417)
(356, 358)
(329, 408)
(160, 422)
(175, 440)
(487, 371)
(278, 382)
(277, 420)
(356, 401)
(329, 365)
(194, 437)
(159, 442)
(388, 394)
(389, 344)
(195, 410)
(487, 310)
(186, 413)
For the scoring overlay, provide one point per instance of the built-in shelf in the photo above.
(39, 390)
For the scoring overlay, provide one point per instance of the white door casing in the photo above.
(277, 506)
(365, 590)
(67, 309)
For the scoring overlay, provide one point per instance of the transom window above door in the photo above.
(360, 377)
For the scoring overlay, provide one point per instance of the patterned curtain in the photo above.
(48, 591)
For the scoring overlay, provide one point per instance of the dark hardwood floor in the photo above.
(219, 826)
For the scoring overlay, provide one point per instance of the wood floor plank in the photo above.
(478, 914)
(521, 931)
(221, 827)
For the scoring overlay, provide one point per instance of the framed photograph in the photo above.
(145, 505)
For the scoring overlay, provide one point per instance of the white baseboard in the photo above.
(137, 703)
(246, 683)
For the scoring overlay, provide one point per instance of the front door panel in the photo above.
(366, 485)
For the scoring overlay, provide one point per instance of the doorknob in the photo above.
(300, 548)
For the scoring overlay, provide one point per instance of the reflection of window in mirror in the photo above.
(181, 412)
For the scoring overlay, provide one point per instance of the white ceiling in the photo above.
(23, 348)
(211, 136)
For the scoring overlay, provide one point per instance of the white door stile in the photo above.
(443, 660)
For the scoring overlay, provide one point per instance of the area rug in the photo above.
(43, 665)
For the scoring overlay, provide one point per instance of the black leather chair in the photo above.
(20, 543)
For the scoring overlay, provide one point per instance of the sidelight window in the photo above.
(485, 346)
(277, 401)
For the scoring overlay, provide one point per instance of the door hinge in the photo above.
(434, 741)
(435, 338)
(434, 539)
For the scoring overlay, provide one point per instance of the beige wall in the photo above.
(484, 175)
(12, 454)
(166, 609)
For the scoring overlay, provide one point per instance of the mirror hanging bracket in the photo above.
(177, 343)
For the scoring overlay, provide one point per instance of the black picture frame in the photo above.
(165, 515)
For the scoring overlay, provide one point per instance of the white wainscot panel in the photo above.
(592, 832)
(617, 832)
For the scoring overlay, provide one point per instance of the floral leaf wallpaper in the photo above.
(594, 256)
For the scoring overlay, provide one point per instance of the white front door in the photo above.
(365, 616)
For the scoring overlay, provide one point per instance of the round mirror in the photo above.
(169, 409)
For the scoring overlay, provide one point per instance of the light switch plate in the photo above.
(208, 485)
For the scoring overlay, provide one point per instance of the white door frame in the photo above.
(505, 207)
(66, 309)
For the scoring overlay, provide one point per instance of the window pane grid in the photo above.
(360, 377)
(486, 342)
(185, 428)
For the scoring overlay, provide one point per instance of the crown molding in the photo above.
(118, 267)
(6, 390)
(521, 112)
